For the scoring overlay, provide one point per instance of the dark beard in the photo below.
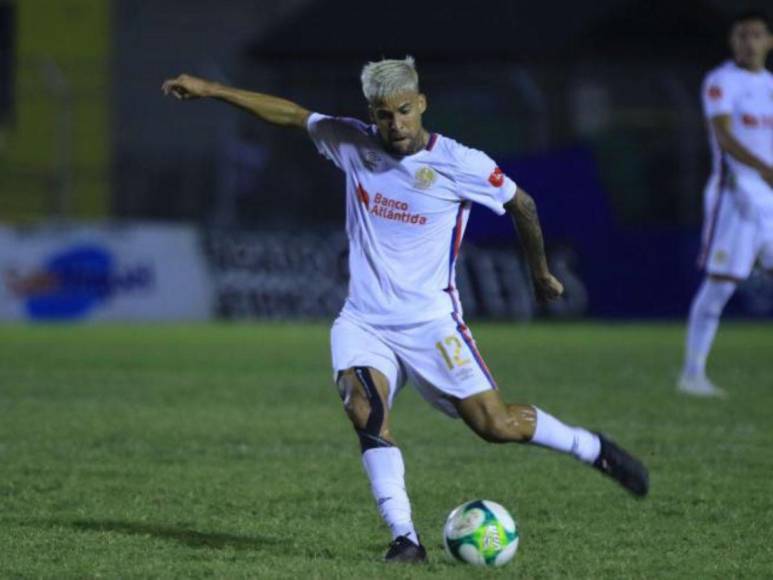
(417, 144)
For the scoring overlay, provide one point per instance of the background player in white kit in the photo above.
(408, 198)
(738, 201)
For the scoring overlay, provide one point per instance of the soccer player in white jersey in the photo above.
(408, 197)
(738, 200)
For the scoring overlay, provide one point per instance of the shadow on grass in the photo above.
(185, 536)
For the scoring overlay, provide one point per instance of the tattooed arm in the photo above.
(523, 210)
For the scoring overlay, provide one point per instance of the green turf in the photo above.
(221, 451)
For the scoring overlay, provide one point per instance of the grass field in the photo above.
(221, 451)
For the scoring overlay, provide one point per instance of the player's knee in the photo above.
(358, 410)
(355, 401)
(714, 296)
(366, 406)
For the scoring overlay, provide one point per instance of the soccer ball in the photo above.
(482, 533)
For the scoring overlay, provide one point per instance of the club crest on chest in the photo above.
(424, 177)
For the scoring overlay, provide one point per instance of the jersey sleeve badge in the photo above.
(497, 178)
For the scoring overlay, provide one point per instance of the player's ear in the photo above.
(422, 103)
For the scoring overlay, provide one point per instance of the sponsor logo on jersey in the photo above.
(424, 178)
(497, 178)
(395, 210)
(720, 257)
(715, 92)
(363, 196)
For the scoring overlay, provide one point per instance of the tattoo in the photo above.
(523, 210)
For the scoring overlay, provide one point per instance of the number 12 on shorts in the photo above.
(453, 358)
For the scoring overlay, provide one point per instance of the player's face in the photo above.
(398, 119)
(750, 41)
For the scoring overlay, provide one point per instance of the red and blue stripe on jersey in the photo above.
(461, 327)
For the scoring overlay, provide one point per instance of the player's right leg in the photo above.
(497, 422)
(367, 376)
(447, 368)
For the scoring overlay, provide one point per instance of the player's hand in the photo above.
(547, 288)
(187, 87)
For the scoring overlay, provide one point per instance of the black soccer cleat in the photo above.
(403, 551)
(623, 467)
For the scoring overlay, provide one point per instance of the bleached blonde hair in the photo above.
(388, 77)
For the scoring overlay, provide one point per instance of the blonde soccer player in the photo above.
(408, 198)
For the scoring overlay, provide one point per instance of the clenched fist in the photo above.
(187, 87)
(547, 288)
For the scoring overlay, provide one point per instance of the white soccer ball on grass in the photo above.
(482, 533)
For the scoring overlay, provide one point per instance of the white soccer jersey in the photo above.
(405, 218)
(748, 98)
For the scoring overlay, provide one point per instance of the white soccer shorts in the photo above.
(439, 357)
(736, 237)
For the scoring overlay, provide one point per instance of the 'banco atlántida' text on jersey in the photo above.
(405, 218)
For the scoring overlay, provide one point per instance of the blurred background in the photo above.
(119, 204)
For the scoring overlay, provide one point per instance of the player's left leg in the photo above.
(368, 377)
(497, 422)
(365, 393)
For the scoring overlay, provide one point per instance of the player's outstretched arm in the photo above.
(722, 126)
(523, 210)
(268, 108)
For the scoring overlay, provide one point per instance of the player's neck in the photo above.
(752, 67)
(422, 141)
(424, 138)
(418, 144)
